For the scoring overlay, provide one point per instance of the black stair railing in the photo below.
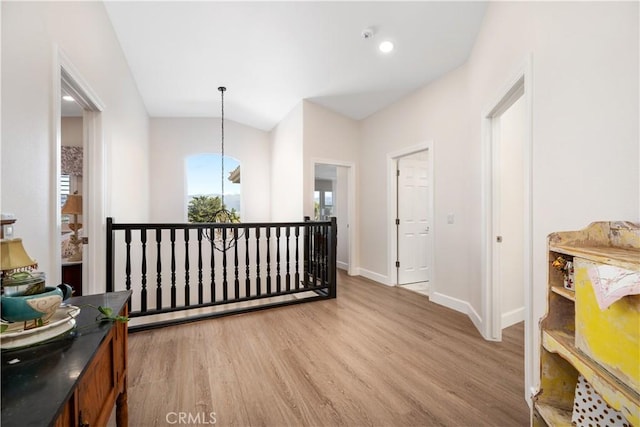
(273, 261)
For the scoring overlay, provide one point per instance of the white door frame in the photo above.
(392, 202)
(520, 84)
(94, 192)
(351, 197)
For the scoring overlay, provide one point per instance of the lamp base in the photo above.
(74, 226)
(76, 256)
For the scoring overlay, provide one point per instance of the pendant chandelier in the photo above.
(223, 238)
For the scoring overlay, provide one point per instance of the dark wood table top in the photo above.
(36, 388)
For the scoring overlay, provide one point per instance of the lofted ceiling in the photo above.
(272, 55)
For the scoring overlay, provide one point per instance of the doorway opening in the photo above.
(334, 195)
(411, 230)
(81, 128)
(507, 292)
(71, 191)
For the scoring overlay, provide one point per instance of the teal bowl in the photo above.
(31, 307)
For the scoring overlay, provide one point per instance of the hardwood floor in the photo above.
(374, 356)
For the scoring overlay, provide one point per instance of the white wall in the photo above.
(172, 140)
(287, 168)
(333, 139)
(71, 131)
(30, 33)
(435, 113)
(327, 136)
(585, 136)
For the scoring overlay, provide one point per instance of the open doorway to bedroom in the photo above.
(507, 291)
(71, 191)
(410, 210)
(84, 165)
(413, 222)
(334, 196)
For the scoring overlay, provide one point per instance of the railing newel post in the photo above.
(110, 249)
(332, 253)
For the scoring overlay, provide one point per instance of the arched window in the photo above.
(204, 186)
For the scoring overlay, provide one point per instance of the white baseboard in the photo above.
(376, 277)
(342, 265)
(451, 302)
(460, 306)
(512, 317)
(475, 318)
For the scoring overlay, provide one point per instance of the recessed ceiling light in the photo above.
(68, 98)
(386, 46)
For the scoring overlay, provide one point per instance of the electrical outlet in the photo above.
(450, 218)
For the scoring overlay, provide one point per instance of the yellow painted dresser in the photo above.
(596, 337)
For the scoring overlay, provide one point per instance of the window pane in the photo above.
(65, 189)
(204, 175)
(328, 198)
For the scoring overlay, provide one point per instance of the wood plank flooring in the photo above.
(376, 356)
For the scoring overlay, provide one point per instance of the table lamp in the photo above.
(73, 206)
(13, 257)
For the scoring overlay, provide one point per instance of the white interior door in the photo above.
(413, 219)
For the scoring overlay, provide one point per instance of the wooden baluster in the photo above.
(268, 260)
(200, 289)
(258, 290)
(159, 269)
(306, 262)
(321, 255)
(143, 291)
(325, 254)
(297, 275)
(278, 279)
(187, 289)
(225, 291)
(213, 266)
(314, 254)
(236, 282)
(127, 267)
(247, 291)
(287, 234)
(173, 267)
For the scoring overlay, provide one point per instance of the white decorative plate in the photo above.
(15, 336)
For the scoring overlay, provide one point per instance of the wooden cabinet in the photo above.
(104, 381)
(579, 337)
(74, 380)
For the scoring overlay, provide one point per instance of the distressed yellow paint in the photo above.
(610, 336)
(553, 388)
(579, 338)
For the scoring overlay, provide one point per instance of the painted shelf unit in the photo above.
(580, 339)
